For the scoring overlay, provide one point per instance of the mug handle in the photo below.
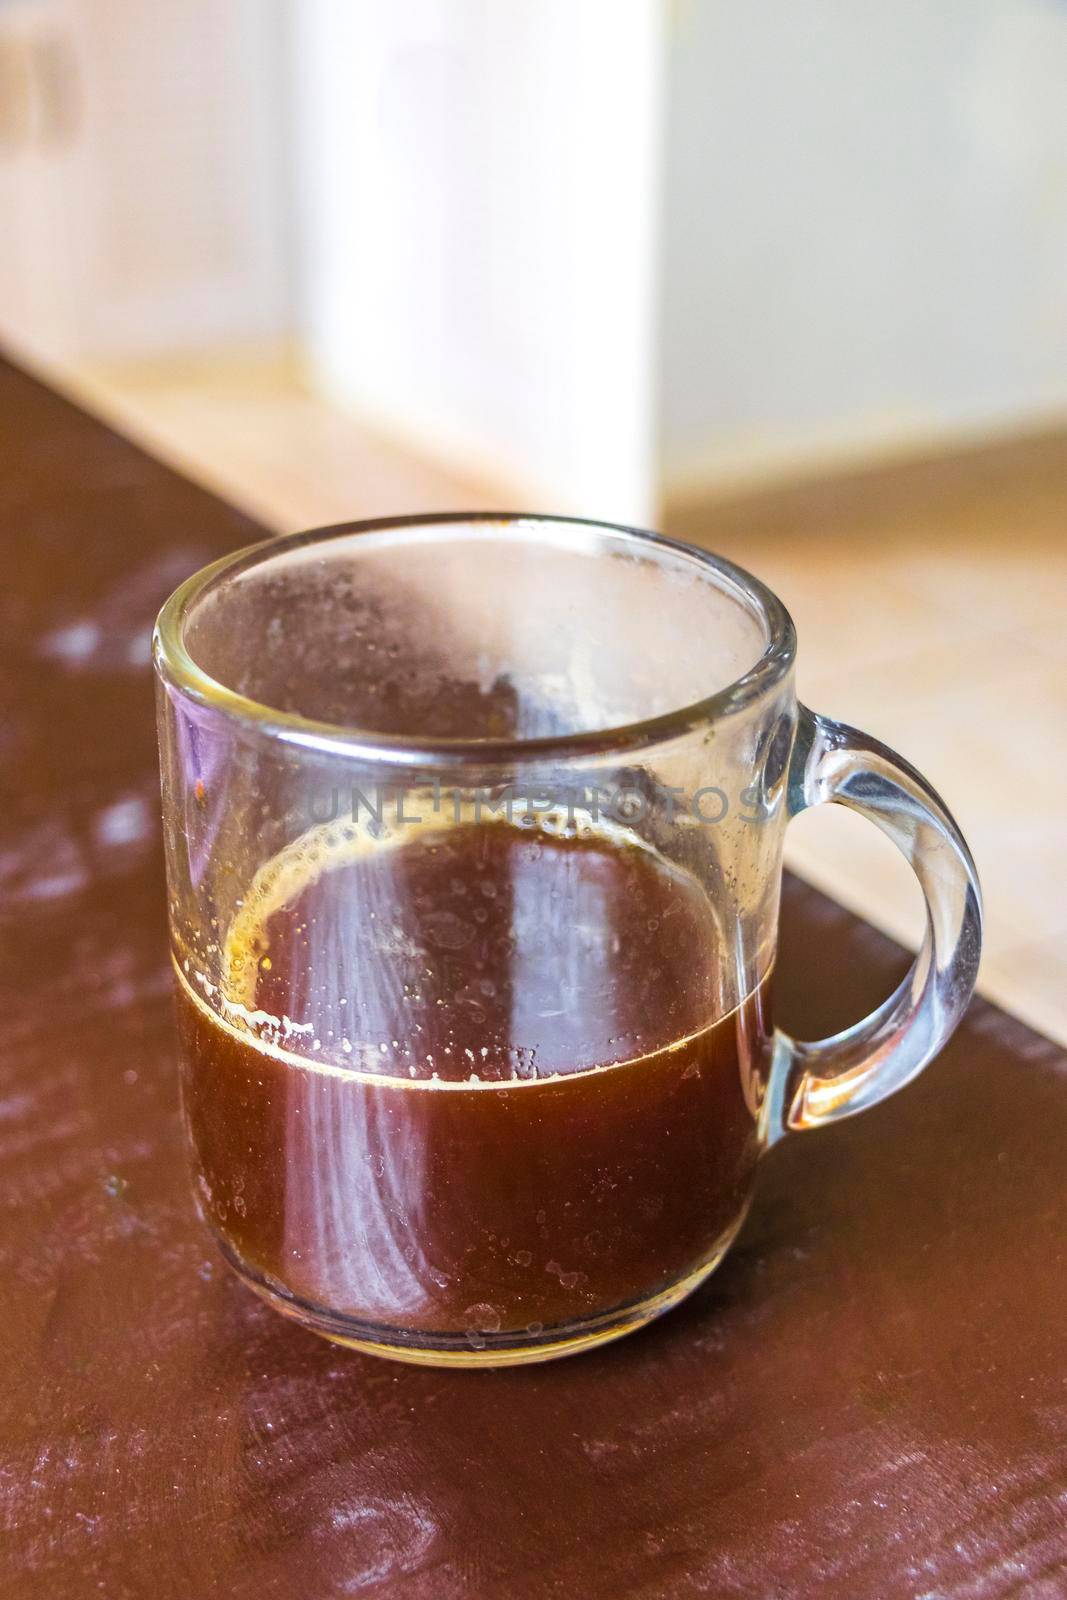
(813, 1083)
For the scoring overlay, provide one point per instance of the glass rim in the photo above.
(176, 667)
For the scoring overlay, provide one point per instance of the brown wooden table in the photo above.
(869, 1399)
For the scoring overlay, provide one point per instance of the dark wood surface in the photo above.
(868, 1399)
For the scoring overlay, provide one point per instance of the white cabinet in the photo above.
(478, 205)
(143, 174)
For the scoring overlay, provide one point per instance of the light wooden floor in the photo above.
(930, 606)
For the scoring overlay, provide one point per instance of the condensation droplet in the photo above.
(483, 1318)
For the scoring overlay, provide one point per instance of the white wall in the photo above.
(865, 226)
(603, 248)
(479, 188)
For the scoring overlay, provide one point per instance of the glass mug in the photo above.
(474, 846)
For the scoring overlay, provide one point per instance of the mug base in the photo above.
(476, 1348)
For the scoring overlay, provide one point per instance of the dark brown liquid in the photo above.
(518, 1104)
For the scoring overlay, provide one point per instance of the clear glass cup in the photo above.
(474, 846)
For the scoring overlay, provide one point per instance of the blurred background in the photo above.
(790, 281)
